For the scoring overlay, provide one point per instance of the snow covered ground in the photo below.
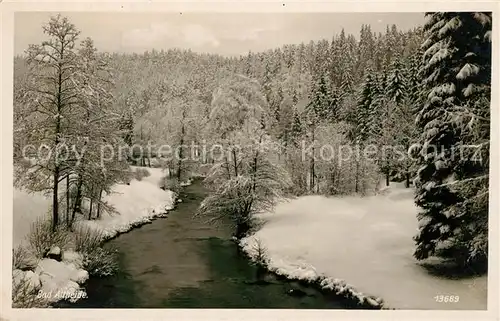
(136, 204)
(366, 242)
(55, 280)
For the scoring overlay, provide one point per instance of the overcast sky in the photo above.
(223, 33)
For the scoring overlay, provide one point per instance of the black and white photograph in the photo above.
(251, 160)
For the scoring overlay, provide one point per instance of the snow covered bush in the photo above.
(42, 237)
(87, 239)
(259, 251)
(22, 259)
(140, 173)
(100, 262)
(96, 260)
(172, 184)
(24, 291)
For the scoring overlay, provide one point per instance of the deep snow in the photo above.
(136, 204)
(366, 242)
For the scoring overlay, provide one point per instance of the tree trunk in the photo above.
(55, 188)
(67, 201)
(312, 169)
(91, 202)
(78, 200)
(387, 178)
(332, 179)
(235, 163)
(99, 204)
(179, 161)
(407, 183)
(55, 201)
(356, 177)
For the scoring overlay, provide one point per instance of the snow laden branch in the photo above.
(246, 180)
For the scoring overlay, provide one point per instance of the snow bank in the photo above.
(363, 241)
(137, 204)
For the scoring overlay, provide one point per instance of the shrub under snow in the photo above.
(95, 259)
(41, 237)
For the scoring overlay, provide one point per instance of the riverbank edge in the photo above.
(328, 286)
(147, 219)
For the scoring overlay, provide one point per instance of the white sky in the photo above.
(223, 33)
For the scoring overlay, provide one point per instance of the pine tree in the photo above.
(396, 83)
(267, 83)
(364, 117)
(366, 50)
(321, 101)
(452, 189)
(127, 127)
(297, 129)
(276, 104)
(414, 80)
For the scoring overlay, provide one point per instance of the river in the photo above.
(183, 262)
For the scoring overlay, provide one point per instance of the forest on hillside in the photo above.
(330, 117)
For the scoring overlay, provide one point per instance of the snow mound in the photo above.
(60, 280)
(364, 241)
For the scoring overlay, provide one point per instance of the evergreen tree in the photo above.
(276, 104)
(364, 117)
(414, 80)
(127, 127)
(396, 83)
(366, 50)
(452, 187)
(321, 101)
(296, 130)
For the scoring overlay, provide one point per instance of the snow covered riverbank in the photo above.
(366, 242)
(137, 204)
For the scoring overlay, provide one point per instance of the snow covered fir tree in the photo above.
(452, 182)
(289, 175)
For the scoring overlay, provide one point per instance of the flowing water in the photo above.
(183, 262)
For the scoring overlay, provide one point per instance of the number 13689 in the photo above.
(447, 298)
